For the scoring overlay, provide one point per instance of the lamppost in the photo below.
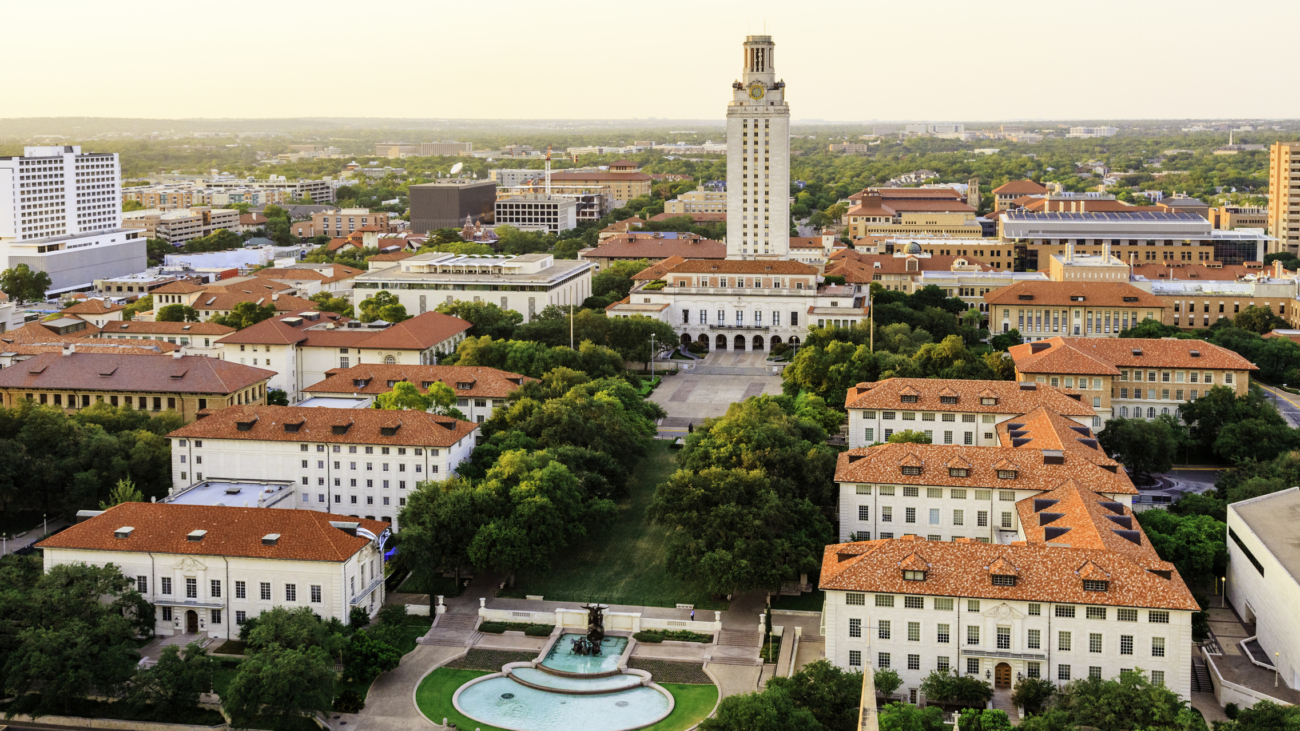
(1277, 657)
(871, 323)
(652, 357)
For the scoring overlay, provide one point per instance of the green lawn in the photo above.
(433, 697)
(812, 601)
(626, 563)
(444, 585)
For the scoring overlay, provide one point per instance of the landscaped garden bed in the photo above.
(669, 671)
(85, 708)
(490, 660)
(771, 649)
(528, 628)
(655, 636)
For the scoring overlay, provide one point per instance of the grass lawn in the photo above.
(444, 585)
(812, 601)
(626, 563)
(433, 697)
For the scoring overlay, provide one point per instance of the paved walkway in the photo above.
(736, 679)
(692, 396)
(390, 704)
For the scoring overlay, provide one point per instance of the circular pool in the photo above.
(500, 701)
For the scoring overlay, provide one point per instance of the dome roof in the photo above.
(912, 248)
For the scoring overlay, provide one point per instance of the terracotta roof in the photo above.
(249, 285)
(343, 426)
(861, 268)
(1107, 355)
(252, 219)
(898, 206)
(1063, 294)
(959, 569)
(1200, 272)
(1034, 470)
(166, 328)
(226, 301)
(418, 333)
(305, 535)
(658, 270)
(696, 217)
(1078, 517)
(180, 287)
(91, 307)
(336, 244)
(807, 242)
(1292, 335)
(1081, 205)
(638, 247)
(337, 272)
(377, 378)
(624, 225)
(92, 345)
(109, 372)
(1020, 187)
(35, 332)
(908, 194)
(1010, 397)
(737, 266)
(392, 256)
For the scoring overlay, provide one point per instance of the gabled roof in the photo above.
(163, 528)
(861, 268)
(1105, 356)
(178, 287)
(737, 266)
(141, 327)
(195, 374)
(335, 273)
(1011, 397)
(643, 247)
(1020, 187)
(308, 424)
(226, 301)
(658, 270)
(376, 378)
(1066, 294)
(91, 307)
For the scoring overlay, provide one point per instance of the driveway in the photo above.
(1287, 403)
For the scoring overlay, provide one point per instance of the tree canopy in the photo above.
(245, 314)
(24, 285)
(383, 305)
(487, 318)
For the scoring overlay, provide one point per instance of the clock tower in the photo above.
(758, 158)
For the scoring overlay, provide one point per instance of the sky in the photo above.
(930, 60)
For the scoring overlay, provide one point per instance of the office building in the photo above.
(61, 213)
(697, 201)
(623, 182)
(526, 284)
(653, 247)
(1089, 132)
(1226, 218)
(1284, 196)
(1133, 377)
(340, 223)
(423, 149)
(758, 158)
(881, 213)
(447, 202)
(512, 177)
(1004, 194)
(182, 224)
(315, 191)
(1200, 303)
(537, 212)
(363, 462)
(897, 272)
(207, 569)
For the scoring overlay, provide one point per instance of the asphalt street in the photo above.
(1287, 403)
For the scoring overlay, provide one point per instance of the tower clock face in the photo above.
(756, 92)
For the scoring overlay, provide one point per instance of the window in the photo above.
(885, 600)
(1126, 644)
(972, 635)
(982, 518)
(315, 594)
(942, 634)
(191, 588)
(241, 617)
(215, 616)
(972, 605)
(1062, 672)
(870, 435)
(887, 513)
(1035, 639)
(959, 517)
(882, 660)
(1034, 670)
(882, 629)
(911, 492)
(941, 664)
(1063, 641)
(972, 666)
(1004, 580)
(1126, 615)
(909, 515)
(855, 658)
(864, 512)
(913, 663)
(1035, 610)
(1094, 642)
(957, 472)
(864, 489)
(943, 605)
(1158, 617)
(1158, 677)
(1065, 612)
(265, 588)
(914, 602)
(1157, 647)
(240, 590)
(855, 627)
(887, 490)
(913, 631)
(856, 600)
(142, 584)
(215, 588)
(167, 614)
(1004, 638)
(1006, 520)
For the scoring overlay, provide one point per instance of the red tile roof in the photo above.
(642, 247)
(1020, 187)
(133, 327)
(658, 270)
(377, 378)
(1184, 271)
(696, 217)
(336, 272)
(908, 194)
(1105, 356)
(181, 287)
(861, 268)
(305, 535)
(92, 307)
(119, 372)
(737, 266)
(1064, 294)
(1009, 397)
(898, 206)
(602, 177)
(418, 333)
(307, 424)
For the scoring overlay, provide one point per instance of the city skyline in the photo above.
(1036, 62)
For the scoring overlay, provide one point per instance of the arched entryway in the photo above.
(686, 339)
(758, 342)
(776, 340)
(191, 622)
(794, 339)
(740, 342)
(722, 342)
(703, 340)
(1002, 675)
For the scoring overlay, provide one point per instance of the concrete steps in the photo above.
(1002, 702)
(740, 638)
(457, 621)
(453, 630)
(1201, 682)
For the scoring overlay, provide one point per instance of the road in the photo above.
(1287, 403)
(30, 536)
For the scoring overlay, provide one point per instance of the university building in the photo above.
(480, 391)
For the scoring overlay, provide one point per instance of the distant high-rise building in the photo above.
(1284, 196)
(758, 159)
(61, 213)
(447, 202)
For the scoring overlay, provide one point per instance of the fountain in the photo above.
(579, 683)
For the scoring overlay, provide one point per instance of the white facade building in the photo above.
(537, 212)
(358, 462)
(61, 213)
(208, 569)
(525, 284)
(758, 158)
(1092, 132)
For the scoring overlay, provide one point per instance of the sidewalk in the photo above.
(32, 535)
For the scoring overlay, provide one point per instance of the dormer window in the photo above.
(1095, 585)
(913, 576)
(1004, 580)
(958, 472)
(947, 399)
(1007, 474)
(910, 470)
(909, 399)
(359, 383)
(988, 401)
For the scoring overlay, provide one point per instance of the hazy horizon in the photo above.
(579, 60)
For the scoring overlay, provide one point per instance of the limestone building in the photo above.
(480, 391)
(1041, 310)
(1284, 198)
(758, 158)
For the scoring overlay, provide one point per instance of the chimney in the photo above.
(1277, 268)
(177, 354)
(69, 348)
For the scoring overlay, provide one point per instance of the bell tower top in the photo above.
(759, 59)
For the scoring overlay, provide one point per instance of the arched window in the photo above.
(1123, 411)
(1151, 412)
(1165, 411)
(390, 360)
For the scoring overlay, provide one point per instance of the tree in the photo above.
(906, 717)
(909, 436)
(952, 687)
(1129, 702)
(24, 285)
(731, 530)
(767, 711)
(439, 522)
(273, 211)
(1032, 694)
(245, 314)
(143, 304)
(487, 318)
(156, 251)
(124, 492)
(631, 337)
(1259, 319)
(463, 248)
(280, 684)
(276, 397)
(830, 693)
(1152, 329)
(384, 306)
(293, 629)
(1194, 544)
(615, 281)
(177, 313)
(1263, 716)
(887, 682)
(1004, 341)
(1220, 407)
(404, 396)
(366, 657)
(986, 719)
(1144, 446)
(173, 685)
(327, 302)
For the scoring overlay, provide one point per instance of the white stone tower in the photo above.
(758, 159)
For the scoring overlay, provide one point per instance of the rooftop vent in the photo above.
(1043, 504)
(233, 490)
(1053, 456)
(1090, 443)
(389, 431)
(1039, 347)
(1015, 426)
(1051, 534)
(1020, 442)
(1046, 518)
(341, 428)
(1026, 297)
(1137, 352)
(84, 515)
(1116, 508)
(1028, 386)
(855, 457)
(246, 424)
(1123, 520)
(107, 373)
(1131, 536)
(1194, 353)
(1130, 299)
(124, 532)
(1112, 468)
(294, 427)
(196, 535)
(1166, 575)
(270, 539)
(347, 527)
(1082, 430)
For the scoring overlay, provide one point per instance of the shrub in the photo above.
(1033, 693)
(697, 348)
(652, 636)
(681, 635)
(887, 682)
(349, 701)
(391, 614)
(492, 628)
(358, 617)
(1231, 711)
(539, 630)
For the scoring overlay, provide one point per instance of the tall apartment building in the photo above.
(61, 213)
(319, 191)
(1284, 196)
(178, 226)
(537, 212)
(697, 201)
(758, 158)
(338, 224)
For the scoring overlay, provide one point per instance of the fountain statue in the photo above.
(590, 644)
